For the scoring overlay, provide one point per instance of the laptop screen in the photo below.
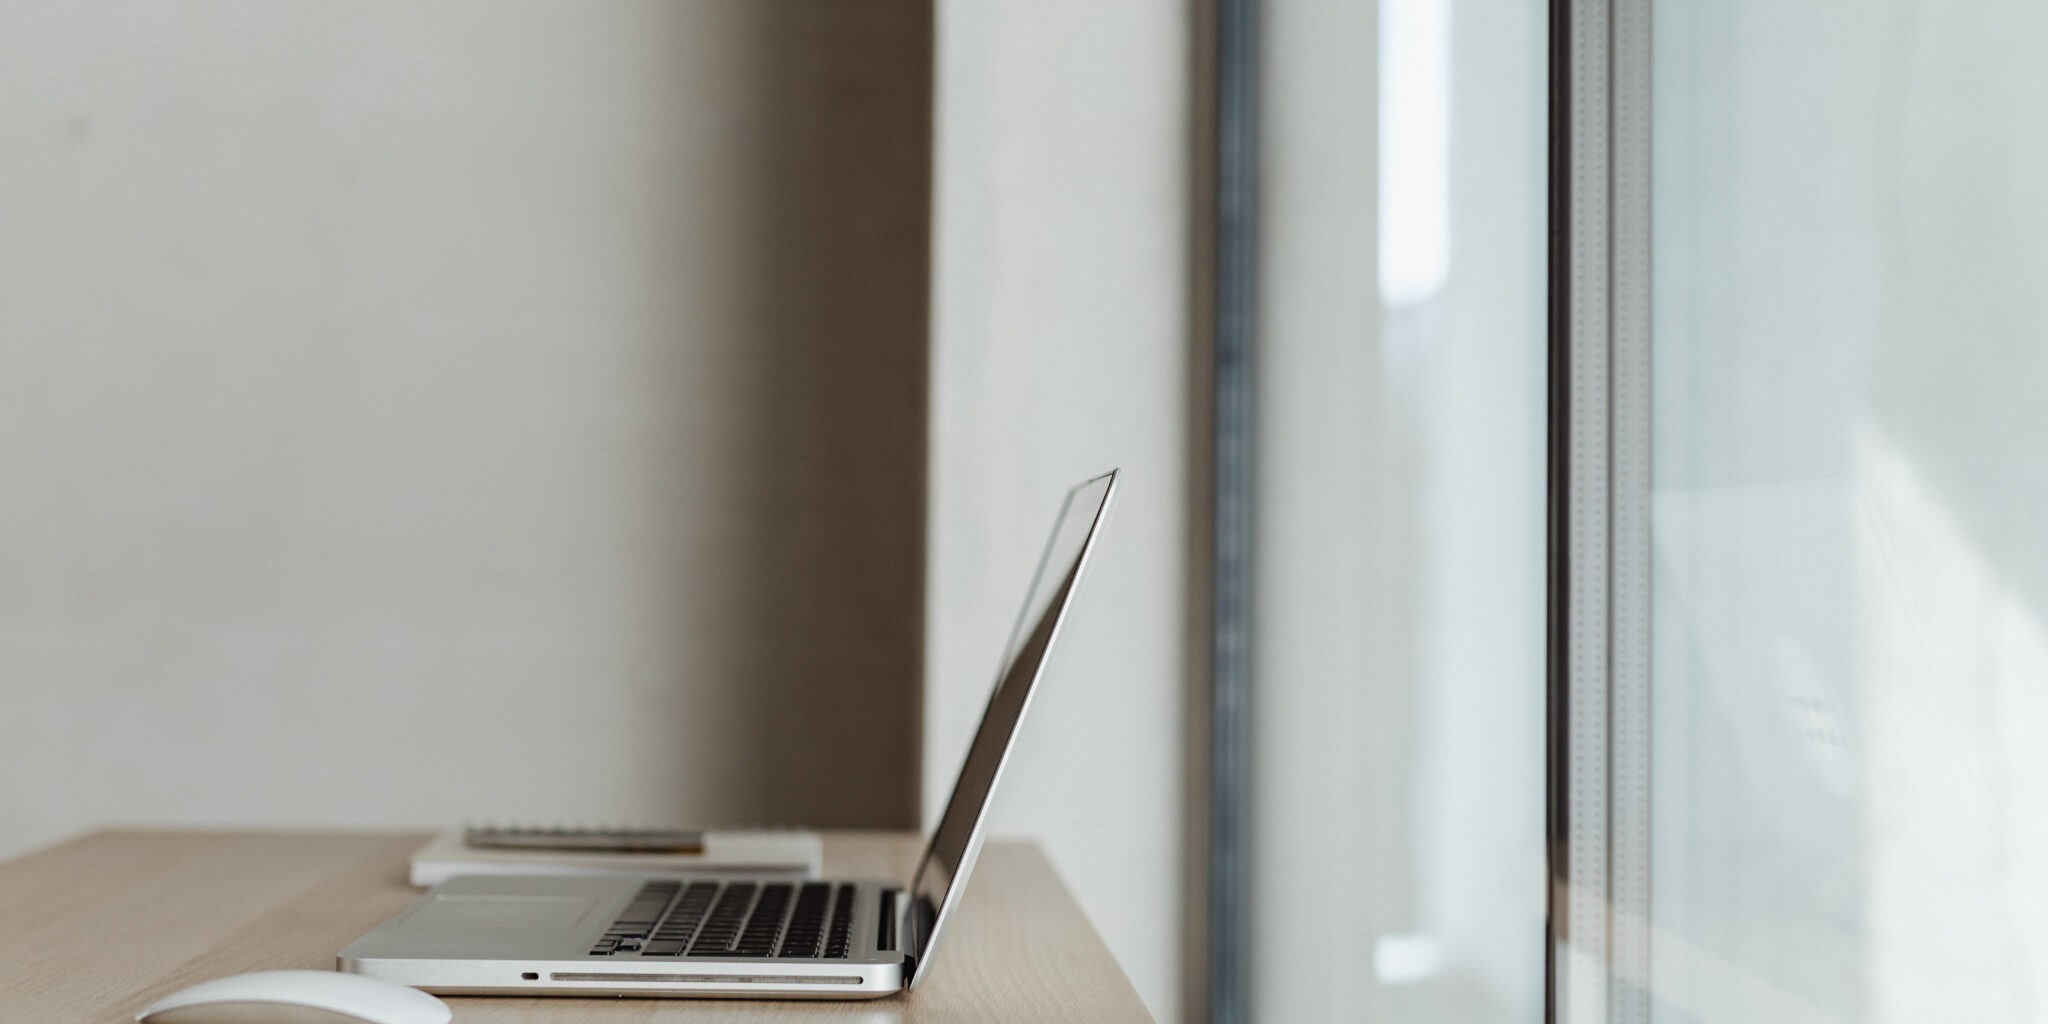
(943, 873)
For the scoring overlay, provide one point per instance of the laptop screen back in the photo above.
(950, 856)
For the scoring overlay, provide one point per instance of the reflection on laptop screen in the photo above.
(952, 844)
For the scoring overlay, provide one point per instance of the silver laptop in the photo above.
(738, 936)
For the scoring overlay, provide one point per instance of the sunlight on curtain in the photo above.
(1851, 684)
(1398, 716)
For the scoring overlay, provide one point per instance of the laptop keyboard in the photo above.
(777, 919)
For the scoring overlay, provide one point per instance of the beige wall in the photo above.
(415, 412)
(1060, 347)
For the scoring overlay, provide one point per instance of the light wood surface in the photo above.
(95, 929)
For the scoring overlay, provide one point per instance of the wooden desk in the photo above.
(95, 929)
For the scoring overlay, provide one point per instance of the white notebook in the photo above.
(793, 852)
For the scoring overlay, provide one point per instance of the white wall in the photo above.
(415, 412)
(1060, 348)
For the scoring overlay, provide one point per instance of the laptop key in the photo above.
(839, 935)
(807, 922)
(764, 923)
(727, 915)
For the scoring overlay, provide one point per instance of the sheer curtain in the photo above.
(1398, 712)
(1850, 556)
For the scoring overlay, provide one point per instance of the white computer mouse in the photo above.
(297, 997)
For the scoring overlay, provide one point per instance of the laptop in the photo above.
(731, 936)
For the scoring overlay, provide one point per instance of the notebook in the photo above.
(793, 852)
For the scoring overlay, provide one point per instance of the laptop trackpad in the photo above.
(522, 913)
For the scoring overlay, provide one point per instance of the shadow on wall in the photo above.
(824, 490)
(418, 413)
